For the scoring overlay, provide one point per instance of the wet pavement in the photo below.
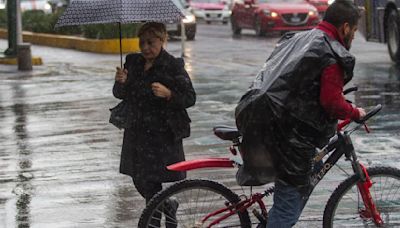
(59, 156)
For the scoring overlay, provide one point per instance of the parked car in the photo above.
(58, 4)
(42, 5)
(30, 5)
(211, 10)
(174, 29)
(2, 4)
(321, 6)
(273, 15)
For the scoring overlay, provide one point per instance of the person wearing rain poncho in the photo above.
(293, 106)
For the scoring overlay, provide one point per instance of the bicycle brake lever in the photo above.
(367, 128)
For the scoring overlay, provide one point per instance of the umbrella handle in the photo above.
(120, 43)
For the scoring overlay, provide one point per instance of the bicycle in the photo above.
(368, 198)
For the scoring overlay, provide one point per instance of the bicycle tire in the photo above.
(191, 210)
(342, 209)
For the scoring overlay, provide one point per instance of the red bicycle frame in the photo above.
(370, 210)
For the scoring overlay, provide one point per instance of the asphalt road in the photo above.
(59, 156)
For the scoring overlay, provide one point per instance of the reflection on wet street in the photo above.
(59, 156)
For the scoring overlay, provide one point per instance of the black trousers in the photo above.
(146, 189)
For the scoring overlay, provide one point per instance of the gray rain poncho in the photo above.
(280, 117)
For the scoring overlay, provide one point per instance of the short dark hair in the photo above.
(155, 28)
(342, 11)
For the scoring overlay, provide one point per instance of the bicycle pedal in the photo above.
(261, 225)
(260, 217)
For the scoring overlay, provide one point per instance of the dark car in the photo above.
(174, 29)
(265, 16)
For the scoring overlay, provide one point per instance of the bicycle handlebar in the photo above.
(371, 113)
(349, 90)
(332, 142)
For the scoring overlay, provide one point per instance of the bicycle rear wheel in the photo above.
(188, 203)
(344, 205)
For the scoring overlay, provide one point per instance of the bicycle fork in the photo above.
(370, 211)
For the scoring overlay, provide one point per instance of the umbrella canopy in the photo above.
(83, 12)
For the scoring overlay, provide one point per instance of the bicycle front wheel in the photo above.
(345, 207)
(193, 204)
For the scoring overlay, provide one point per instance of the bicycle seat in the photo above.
(226, 133)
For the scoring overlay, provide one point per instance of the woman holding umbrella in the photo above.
(159, 90)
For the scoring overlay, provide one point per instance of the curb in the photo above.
(109, 46)
(14, 61)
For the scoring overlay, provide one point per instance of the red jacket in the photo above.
(331, 93)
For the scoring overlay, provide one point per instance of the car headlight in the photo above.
(330, 1)
(312, 13)
(47, 6)
(189, 19)
(274, 14)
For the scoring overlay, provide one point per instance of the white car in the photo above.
(174, 29)
(211, 10)
(42, 5)
(2, 4)
(30, 5)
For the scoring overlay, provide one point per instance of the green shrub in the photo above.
(38, 21)
(3, 18)
(65, 30)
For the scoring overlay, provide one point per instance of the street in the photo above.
(59, 156)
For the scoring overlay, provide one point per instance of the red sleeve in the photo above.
(331, 94)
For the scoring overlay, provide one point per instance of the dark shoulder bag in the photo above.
(121, 115)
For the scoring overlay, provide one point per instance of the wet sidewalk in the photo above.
(59, 156)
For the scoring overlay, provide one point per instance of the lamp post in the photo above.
(12, 28)
(18, 20)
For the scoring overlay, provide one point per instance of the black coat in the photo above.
(282, 107)
(154, 139)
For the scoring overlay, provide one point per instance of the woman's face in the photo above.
(150, 46)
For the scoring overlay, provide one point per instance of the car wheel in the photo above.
(259, 30)
(392, 36)
(190, 36)
(235, 28)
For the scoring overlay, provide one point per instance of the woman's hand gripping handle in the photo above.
(121, 75)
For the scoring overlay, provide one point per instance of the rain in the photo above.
(59, 156)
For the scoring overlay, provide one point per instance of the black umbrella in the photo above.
(83, 12)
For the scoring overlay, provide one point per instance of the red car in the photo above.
(273, 15)
(321, 6)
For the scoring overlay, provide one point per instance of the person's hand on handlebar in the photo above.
(361, 112)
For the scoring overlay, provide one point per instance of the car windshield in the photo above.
(179, 3)
(280, 1)
(206, 1)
